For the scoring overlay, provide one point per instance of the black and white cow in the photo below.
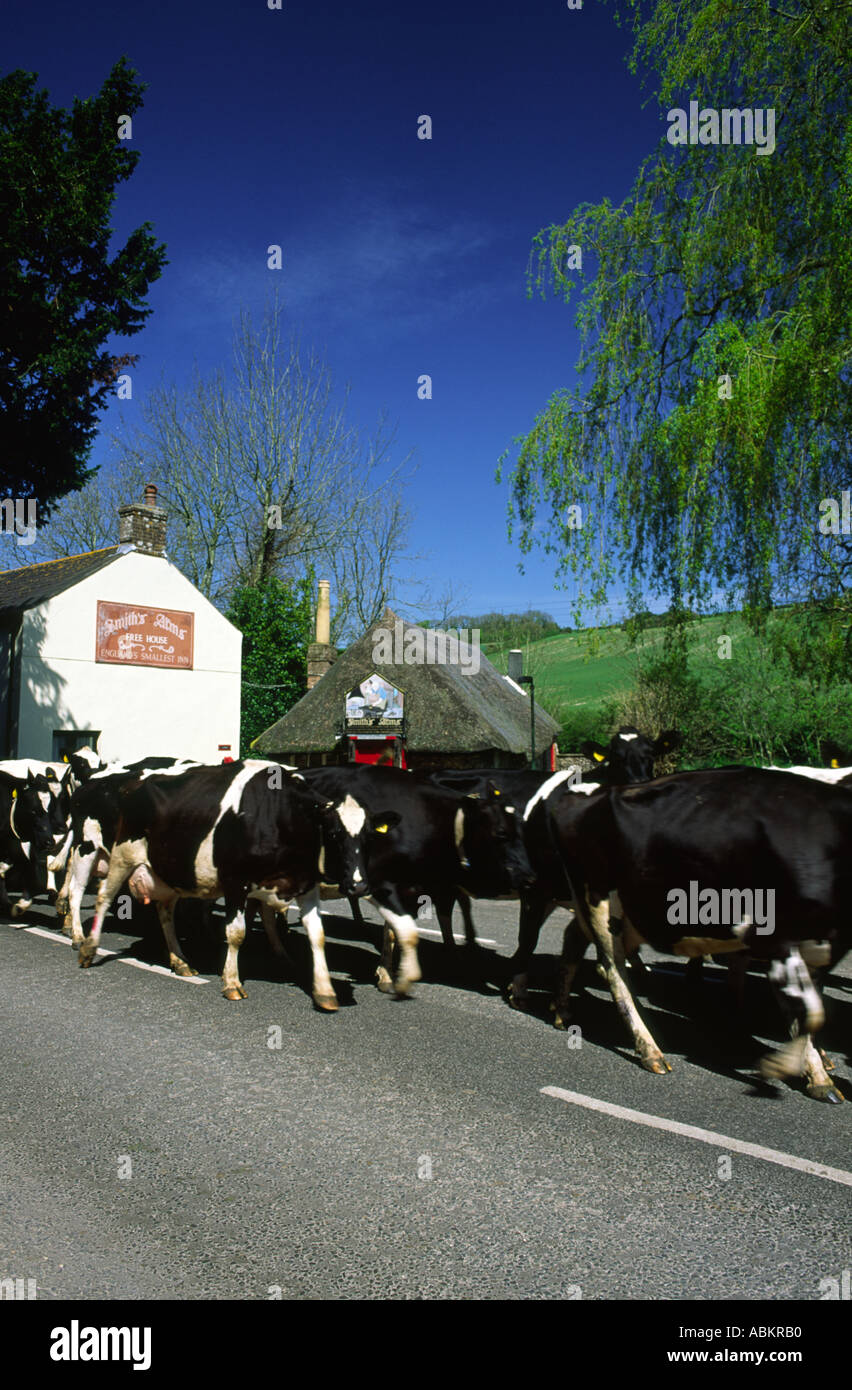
(57, 781)
(94, 815)
(712, 838)
(27, 835)
(629, 758)
(227, 831)
(442, 841)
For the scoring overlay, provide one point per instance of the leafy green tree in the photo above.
(713, 409)
(62, 295)
(276, 622)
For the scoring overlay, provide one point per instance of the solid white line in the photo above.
(480, 940)
(707, 1136)
(163, 970)
(123, 960)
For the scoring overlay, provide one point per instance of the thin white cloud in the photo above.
(390, 266)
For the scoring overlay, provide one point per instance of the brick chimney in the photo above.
(143, 524)
(321, 653)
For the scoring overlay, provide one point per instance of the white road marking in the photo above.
(707, 1136)
(459, 940)
(123, 960)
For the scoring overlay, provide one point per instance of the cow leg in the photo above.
(61, 903)
(123, 860)
(594, 918)
(5, 905)
(60, 859)
(575, 943)
(80, 867)
(322, 989)
(271, 920)
(235, 934)
(467, 917)
(444, 913)
(384, 972)
(31, 888)
(404, 928)
(535, 911)
(355, 909)
(800, 1002)
(166, 914)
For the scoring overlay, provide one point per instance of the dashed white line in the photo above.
(459, 940)
(123, 960)
(707, 1136)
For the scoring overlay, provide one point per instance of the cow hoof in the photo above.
(561, 1020)
(327, 1003)
(658, 1065)
(826, 1093)
(235, 992)
(181, 968)
(384, 981)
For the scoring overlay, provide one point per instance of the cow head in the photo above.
(345, 827)
(490, 845)
(630, 756)
(29, 815)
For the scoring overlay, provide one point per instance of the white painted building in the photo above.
(117, 649)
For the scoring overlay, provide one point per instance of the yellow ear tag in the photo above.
(65, 757)
(14, 792)
(381, 829)
(834, 762)
(496, 791)
(599, 757)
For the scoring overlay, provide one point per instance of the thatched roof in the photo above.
(446, 709)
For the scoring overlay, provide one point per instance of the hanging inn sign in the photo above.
(130, 635)
(374, 706)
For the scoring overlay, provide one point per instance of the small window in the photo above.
(67, 741)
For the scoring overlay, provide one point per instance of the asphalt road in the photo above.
(159, 1142)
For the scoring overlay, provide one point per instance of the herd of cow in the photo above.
(617, 852)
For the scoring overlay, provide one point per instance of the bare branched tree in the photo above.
(262, 474)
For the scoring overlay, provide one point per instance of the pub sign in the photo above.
(132, 635)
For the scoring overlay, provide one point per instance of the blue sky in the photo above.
(400, 256)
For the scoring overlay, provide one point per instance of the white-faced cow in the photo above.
(227, 831)
(441, 841)
(727, 860)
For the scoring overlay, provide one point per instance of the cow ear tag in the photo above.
(834, 762)
(65, 757)
(14, 792)
(381, 829)
(599, 757)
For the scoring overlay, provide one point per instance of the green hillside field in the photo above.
(749, 707)
(584, 668)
